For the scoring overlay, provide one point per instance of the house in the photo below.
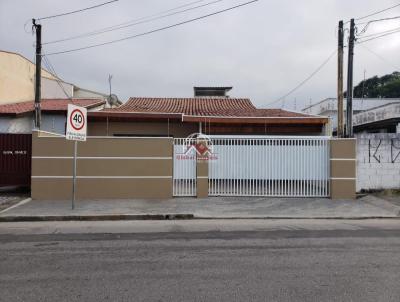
(380, 119)
(211, 111)
(17, 79)
(18, 117)
(328, 107)
(378, 147)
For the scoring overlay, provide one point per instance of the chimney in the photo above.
(211, 92)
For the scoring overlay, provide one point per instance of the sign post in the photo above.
(76, 131)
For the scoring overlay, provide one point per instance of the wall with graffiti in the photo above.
(378, 161)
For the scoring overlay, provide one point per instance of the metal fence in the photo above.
(184, 180)
(269, 166)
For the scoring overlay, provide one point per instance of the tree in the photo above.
(387, 86)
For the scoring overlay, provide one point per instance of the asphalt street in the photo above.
(233, 260)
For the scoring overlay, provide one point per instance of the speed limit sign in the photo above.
(76, 123)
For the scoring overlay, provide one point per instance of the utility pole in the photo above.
(340, 81)
(38, 74)
(349, 107)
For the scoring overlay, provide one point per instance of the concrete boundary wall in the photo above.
(343, 168)
(138, 167)
(378, 161)
(107, 167)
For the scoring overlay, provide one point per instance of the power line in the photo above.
(57, 79)
(374, 21)
(159, 13)
(380, 57)
(380, 36)
(76, 11)
(378, 20)
(154, 30)
(306, 79)
(381, 32)
(130, 23)
(377, 12)
(50, 67)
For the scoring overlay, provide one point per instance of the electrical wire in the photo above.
(154, 30)
(50, 67)
(373, 21)
(381, 32)
(378, 12)
(76, 11)
(135, 20)
(129, 24)
(306, 79)
(373, 14)
(380, 57)
(380, 36)
(378, 20)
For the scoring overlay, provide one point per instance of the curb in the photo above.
(96, 217)
(300, 218)
(127, 217)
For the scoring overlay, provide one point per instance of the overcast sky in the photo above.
(263, 49)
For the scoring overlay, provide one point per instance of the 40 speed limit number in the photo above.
(76, 123)
(77, 119)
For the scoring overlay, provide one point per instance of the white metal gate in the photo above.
(269, 166)
(184, 180)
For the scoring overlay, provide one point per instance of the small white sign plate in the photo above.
(76, 123)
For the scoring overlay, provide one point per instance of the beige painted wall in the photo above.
(343, 168)
(17, 76)
(109, 168)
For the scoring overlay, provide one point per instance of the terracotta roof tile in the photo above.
(47, 105)
(188, 106)
(228, 107)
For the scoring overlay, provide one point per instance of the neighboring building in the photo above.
(378, 161)
(378, 147)
(381, 119)
(18, 117)
(328, 107)
(17, 80)
(179, 117)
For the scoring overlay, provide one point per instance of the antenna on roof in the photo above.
(109, 82)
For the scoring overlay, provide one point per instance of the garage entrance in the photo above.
(269, 166)
(286, 166)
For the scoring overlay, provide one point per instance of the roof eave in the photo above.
(255, 120)
(130, 115)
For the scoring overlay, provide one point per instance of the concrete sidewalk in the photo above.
(210, 208)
